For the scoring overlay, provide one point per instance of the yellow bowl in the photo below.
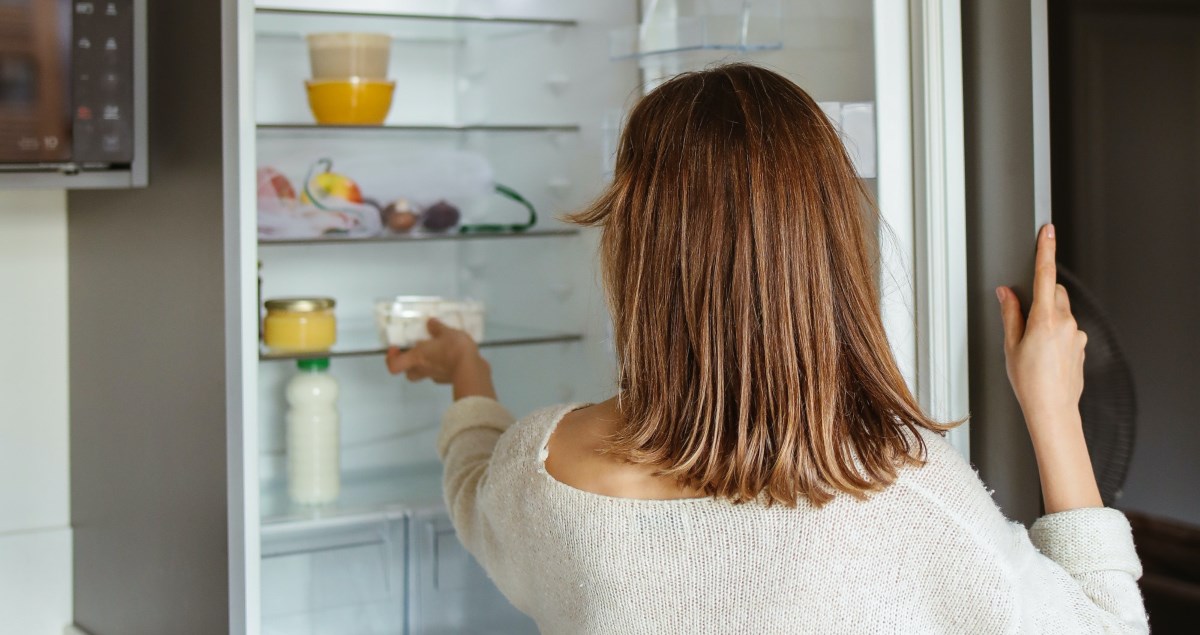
(351, 101)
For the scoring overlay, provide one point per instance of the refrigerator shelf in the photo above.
(621, 51)
(285, 21)
(364, 342)
(417, 238)
(366, 496)
(316, 129)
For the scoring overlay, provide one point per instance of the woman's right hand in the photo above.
(1044, 353)
(449, 356)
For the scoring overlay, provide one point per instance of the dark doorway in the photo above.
(1125, 112)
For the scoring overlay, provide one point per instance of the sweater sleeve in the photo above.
(1085, 573)
(1071, 572)
(470, 430)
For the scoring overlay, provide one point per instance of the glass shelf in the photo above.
(378, 494)
(362, 342)
(734, 48)
(281, 22)
(312, 128)
(418, 237)
(681, 26)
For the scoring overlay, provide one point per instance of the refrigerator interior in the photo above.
(537, 87)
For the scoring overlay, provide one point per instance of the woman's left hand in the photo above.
(449, 356)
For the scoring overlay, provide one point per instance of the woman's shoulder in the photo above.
(943, 470)
(523, 445)
(948, 484)
(569, 445)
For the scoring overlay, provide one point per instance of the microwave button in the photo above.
(110, 44)
(110, 8)
(83, 113)
(28, 144)
(85, 43)
(50, 142)
(112, 112)
(85, 8)
(111, 142)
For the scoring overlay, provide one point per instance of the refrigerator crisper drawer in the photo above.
(345, 576)
(448, 591)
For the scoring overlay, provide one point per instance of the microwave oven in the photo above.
(72, 92)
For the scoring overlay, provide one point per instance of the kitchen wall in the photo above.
(35, 532)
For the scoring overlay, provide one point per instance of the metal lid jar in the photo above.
(300, 325)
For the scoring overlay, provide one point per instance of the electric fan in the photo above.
(1108, 406)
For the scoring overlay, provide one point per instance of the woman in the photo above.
(764, 468)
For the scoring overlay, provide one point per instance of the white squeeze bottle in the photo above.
(313, 444)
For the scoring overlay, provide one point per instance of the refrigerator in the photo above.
(529, 95)
(536, 91)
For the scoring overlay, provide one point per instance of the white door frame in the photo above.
(922, 200)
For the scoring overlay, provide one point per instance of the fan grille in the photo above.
(1109, 404)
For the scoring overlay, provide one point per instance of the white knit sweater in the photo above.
(930, 554)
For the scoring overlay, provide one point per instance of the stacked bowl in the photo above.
(349, 84)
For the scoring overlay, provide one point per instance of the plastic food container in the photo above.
(342, 55)
(300, 325)
(350, 101)
(401, 320)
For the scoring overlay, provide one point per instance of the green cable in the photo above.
(510, 194)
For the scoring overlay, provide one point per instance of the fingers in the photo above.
(395, 360)
(1045, 275)
(1010, 312)
(399, 361)
(436, 327)
(409, 362)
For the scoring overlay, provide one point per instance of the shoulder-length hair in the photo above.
(740, 272)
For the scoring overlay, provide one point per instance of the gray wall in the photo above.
(148, 453)
(1001, 226)
(1128, 179)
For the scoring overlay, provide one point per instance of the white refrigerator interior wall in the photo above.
(35, 533)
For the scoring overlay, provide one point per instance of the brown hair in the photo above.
(751, 353)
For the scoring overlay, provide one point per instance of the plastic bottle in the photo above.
(313, 444)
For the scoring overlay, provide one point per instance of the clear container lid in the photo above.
(413, 306)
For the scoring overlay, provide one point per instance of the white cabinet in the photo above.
(35, 586)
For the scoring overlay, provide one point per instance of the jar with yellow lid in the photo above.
(299, 325)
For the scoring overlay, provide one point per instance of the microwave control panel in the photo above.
(102, 82)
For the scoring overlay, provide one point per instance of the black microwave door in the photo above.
(35, 81)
